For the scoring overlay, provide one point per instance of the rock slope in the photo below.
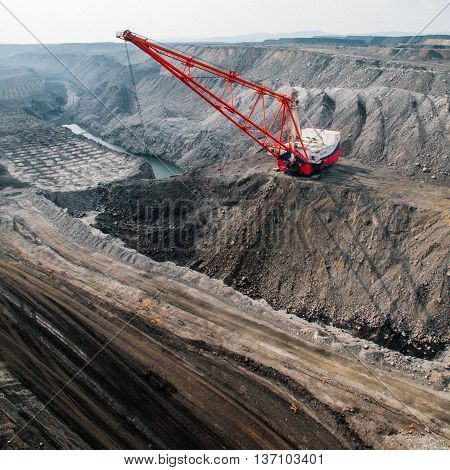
(347, 250)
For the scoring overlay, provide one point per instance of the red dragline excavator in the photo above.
(271, 120)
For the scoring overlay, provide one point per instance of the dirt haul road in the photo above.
(150, 355)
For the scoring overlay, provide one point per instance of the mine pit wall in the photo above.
(325, 253)
(49, 327)
(335, 235)
(389, 113)
(79, 203)
(401, 103)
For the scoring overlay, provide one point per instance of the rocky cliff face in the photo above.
(332, 251)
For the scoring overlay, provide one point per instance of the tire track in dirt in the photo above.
(192, 368)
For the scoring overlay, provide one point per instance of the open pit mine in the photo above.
(163, 287)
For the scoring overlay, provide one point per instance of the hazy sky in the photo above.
(97, 20)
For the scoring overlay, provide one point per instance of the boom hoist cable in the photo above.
(138, 104)
(271, 120)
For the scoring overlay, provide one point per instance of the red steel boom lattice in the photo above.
(279, 135)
